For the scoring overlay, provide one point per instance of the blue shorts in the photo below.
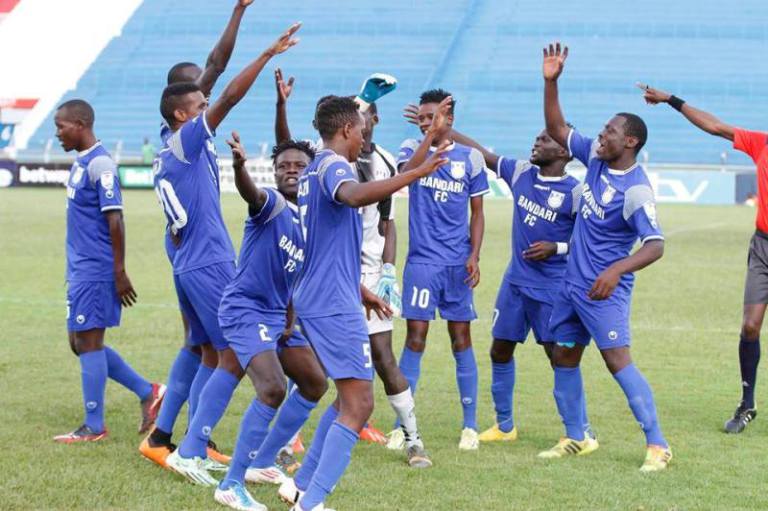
(92, 305)
(519, 310)
(577, 318)
(341, 344)
(427, 287)
(199, 293)
(251, 332)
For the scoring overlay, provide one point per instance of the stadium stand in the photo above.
(487, 52)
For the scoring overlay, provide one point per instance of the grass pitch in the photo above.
(686, 317)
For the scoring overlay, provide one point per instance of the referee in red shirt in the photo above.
(755, 144)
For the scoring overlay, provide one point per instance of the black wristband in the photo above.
(676, 102)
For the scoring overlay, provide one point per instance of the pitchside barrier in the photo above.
(679, 184)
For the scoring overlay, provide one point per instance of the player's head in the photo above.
(317, 105)
(546, 151)
(340, 122)
(74, 121)
(428, 103)
(184, 72)
(289, 159)
(181, 102)
(623, 133)
(371, 117)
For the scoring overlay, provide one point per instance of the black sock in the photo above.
(159, 437)
(749, 357)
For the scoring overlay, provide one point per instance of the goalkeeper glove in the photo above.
(376, 86)
(388, 290)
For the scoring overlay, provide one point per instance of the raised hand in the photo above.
(285, 41)
(238, 151)
(434, 161)
(284, 88)
(653, 96)
(554, 61)
(245, 3)
(411, 114)
(441, 116)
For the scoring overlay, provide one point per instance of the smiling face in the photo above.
(613, 140)
(289, 165)
(546, 151)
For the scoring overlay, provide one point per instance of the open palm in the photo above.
(554, 61)
(285, 41)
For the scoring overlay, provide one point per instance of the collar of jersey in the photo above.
(551, 178)
(94, 146)
(449, 148)
(292, 206)
(615, 172)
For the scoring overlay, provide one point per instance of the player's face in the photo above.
(288, 167)
(355, 137)
(193, 104)
(68, 131)
(371, 120)
(427, 112)
(612, 140)
(545, 150)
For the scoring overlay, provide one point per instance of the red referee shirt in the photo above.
(755, 144)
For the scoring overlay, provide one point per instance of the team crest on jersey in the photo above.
(555, 199)
(608, 194)
(650, 211)
(77, 175)
(458, 169)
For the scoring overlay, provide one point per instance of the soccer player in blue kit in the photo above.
(327, 294)
(187, 180)
(546, 201)
(97, 282)
(617, 208)
(442, 266)
(187, 375)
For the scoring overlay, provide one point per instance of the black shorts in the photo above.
(756, 287)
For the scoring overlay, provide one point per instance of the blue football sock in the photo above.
(309, 463)
(502, 388)
(253, 429)
(93, 373)
(640, 400)
(569, 393)
(466, 378)
(293, 414)
(180, 379)
(410, 366)
(119, 370)
(749, 358)
(587, 425)
(213, 401)
(337, 452)
(198, 383)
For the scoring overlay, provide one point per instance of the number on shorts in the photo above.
(494, 317)
(171, 204)
(420, 298)
(367, 355)
(264, 333)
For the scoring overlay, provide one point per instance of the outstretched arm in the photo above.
(699, 118)
(607, 281)
(219, 56)
(491, 158)
(554, 61)
(284, 89)
(252, 194)
(240, 85)
(438, 122)
(356, 195)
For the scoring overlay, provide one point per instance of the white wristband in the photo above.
(562, 248)
(362, 104)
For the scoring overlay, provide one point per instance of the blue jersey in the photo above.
(187, 184)
(616, 209)
(270, 258)
(329, 282)
(170, 248)
(545, 210)
(92, 190)
(438, 222)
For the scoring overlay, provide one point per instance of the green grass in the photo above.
(686, 317)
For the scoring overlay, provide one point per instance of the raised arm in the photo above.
(699, 118)
(117, 235)
(362, 194)
(438, 123)
(218, 59)
(554, 61)
(284, 89)
(239, 86)
(252, 194)
(491, 158)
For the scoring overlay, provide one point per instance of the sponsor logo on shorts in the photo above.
(109, 194)
(252, 455)
(341, 172)
(80, 319)
(613, 335)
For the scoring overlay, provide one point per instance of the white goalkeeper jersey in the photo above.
(374, 166)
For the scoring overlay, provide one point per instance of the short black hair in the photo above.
(436, 96)
(634, 126)
(81, 110)
(333, 113)
(172, 97)
(174, 74)
(299, 145)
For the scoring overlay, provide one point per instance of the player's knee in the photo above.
(461, 344)
(209, 355)
(750, 329)
(417, 344)
(314, 388)
(73, 345)
(565, 357)
(616, 359)
(272, 392)
(502, 351)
